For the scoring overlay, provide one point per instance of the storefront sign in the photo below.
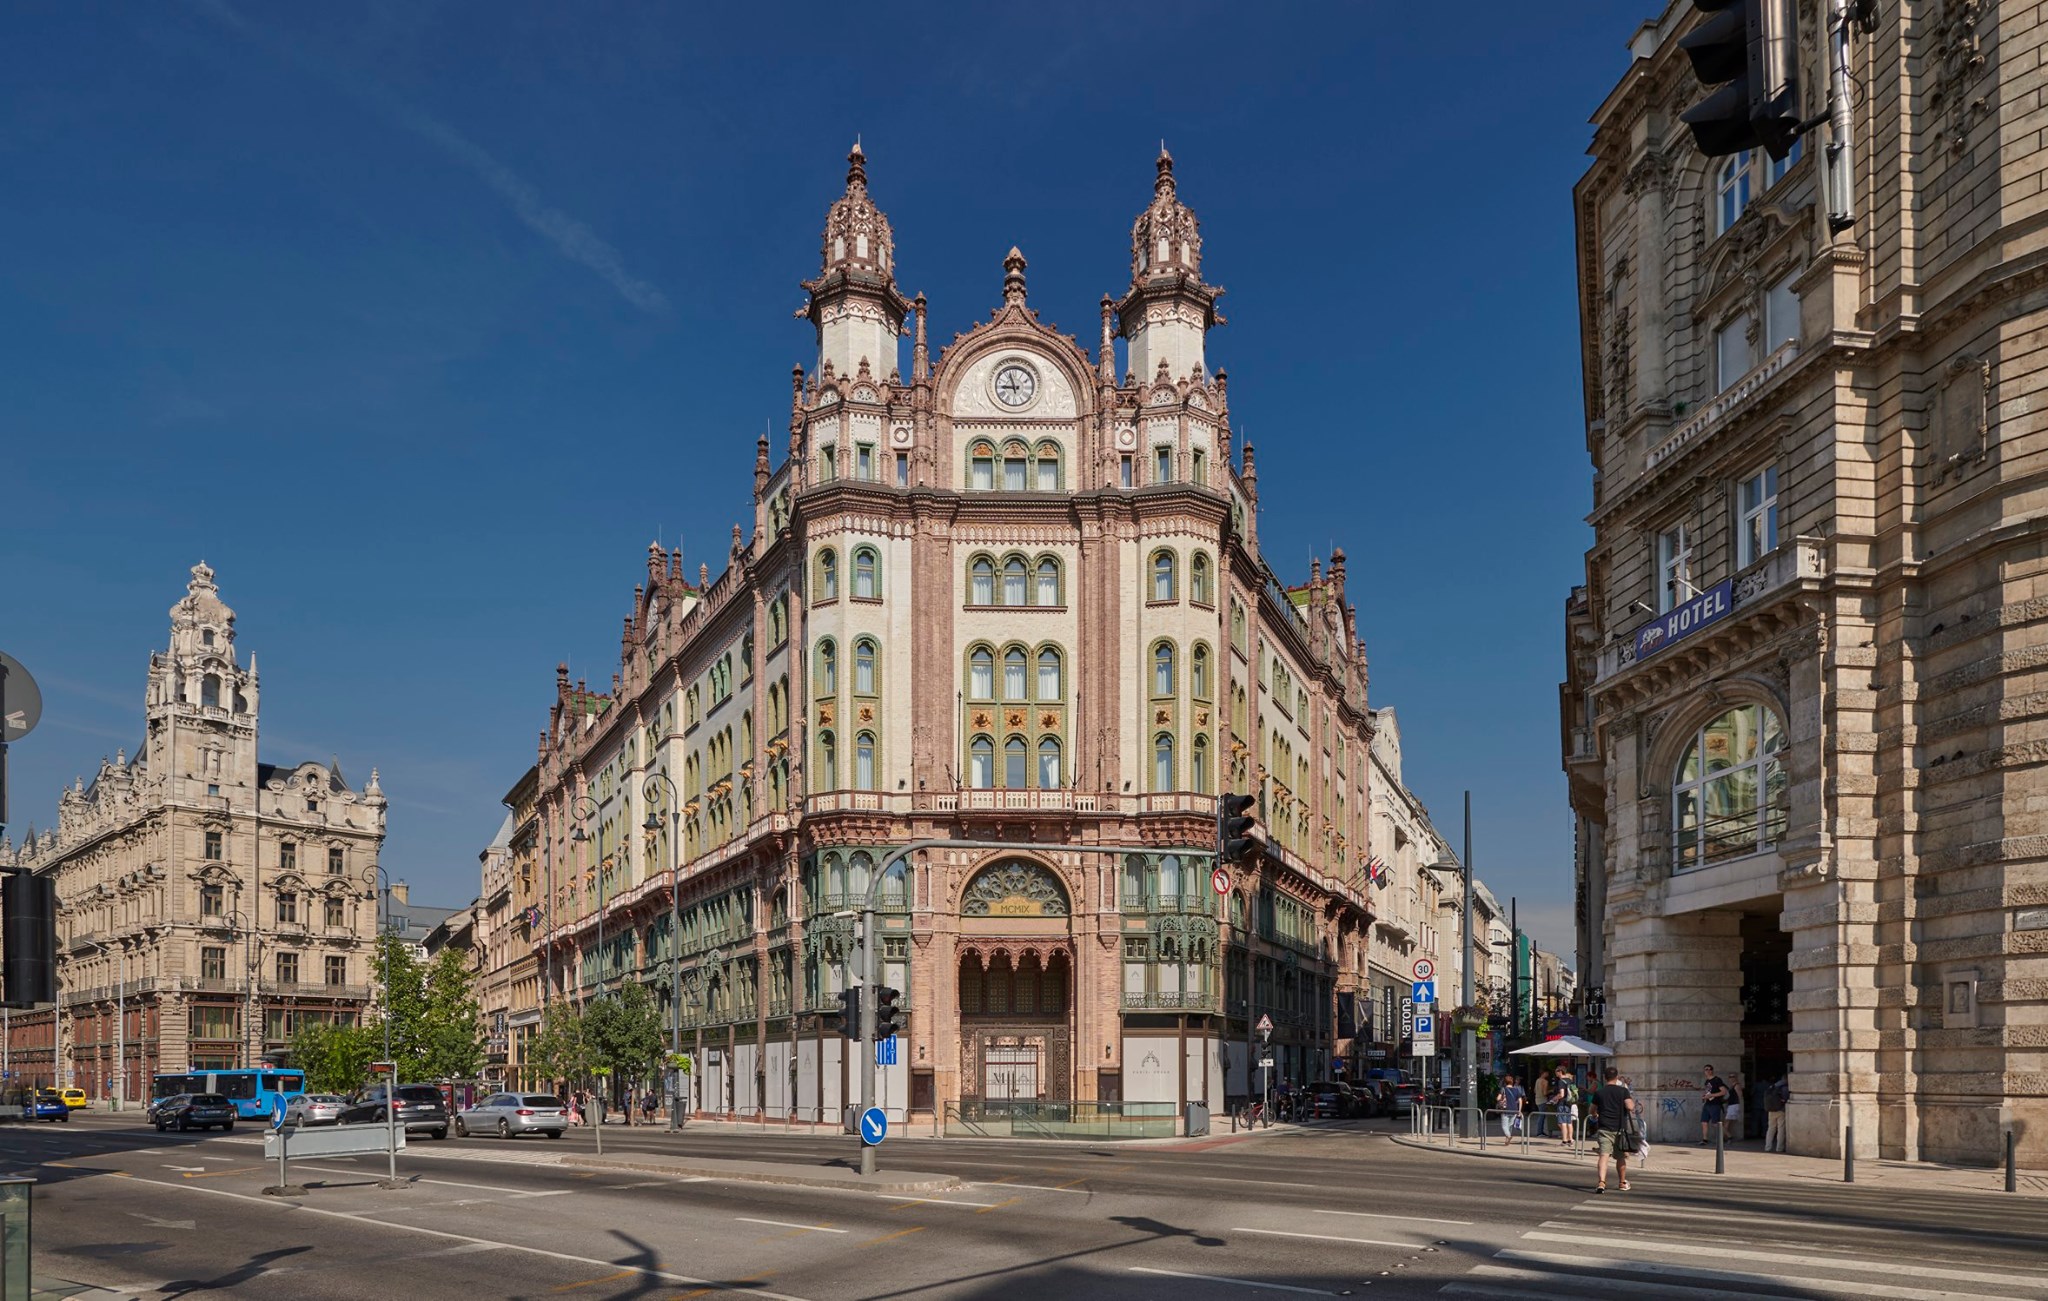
(1684, 620)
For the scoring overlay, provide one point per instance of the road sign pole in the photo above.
(870, 948)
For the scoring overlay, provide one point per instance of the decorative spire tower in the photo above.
(1168, 310)
(853, 301)
(201, 704)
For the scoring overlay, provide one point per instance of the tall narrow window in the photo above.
(1015, 581)
(864, 761)
(1013, 674)
(1781, 315)
(864, 667)
(209, 690)
(1048, 675)
(1048, 581)
(1014, 763)
(1124, 473)
(1199, 764)
(981, 674)
(1013, 470)
(828, 762)
(1198, 673)
(1048, 467)
(213, 846)
(1779, 166)
(863, 461)
(1162, 575)
(981, 468)
(981, 588)
(828, 668)
(1162, 669)
(981, 763)
(1162, 762)
(1199, 470)
(1757, 535)
(1198, 580)
(865, 582)
(1674, 568)
(828, 463)
(1731, 191)
(828, 575)
(1049, 763)
(1734, 351)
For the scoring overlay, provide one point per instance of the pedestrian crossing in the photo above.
(1744, 1242)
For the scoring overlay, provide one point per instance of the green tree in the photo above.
(451, 1032)
(559, 1051)
(624, 1031)
(335, 1058)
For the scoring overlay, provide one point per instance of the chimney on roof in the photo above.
(401, 892)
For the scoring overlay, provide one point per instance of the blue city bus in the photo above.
(257, 1094)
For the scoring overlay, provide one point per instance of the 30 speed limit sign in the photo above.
(1424, 969)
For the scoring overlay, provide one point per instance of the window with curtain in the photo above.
(1048, 581)
(1198, 580)
(1048, 674)
(981, 674)
(1198, 673)
(828, 668)
(1048, 467)
(1162, 575)
(1199, 760)
(981, 763)
(1049, 763)
(828, 575)
(1162, 465)
(1015, 763)
(1162, 669)
(865, 580)
(828, 762)
(1015, 585)
(864, 667)
(1162, 762)
(981, 586)
(1013, 470)
(864, 761)
(1013, 674)
(981, 473)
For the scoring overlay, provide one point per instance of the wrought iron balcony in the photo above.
(1176, 1000)
(1798, 562)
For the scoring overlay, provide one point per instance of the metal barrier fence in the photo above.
(1434, 1122)
(1060, 1120)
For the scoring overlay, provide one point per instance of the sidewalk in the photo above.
(1747, 1161)
(796, 1173)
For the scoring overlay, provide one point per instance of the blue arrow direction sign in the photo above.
(885, 1051)
(1425, 991)
(874, 1126)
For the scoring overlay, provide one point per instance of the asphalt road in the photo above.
(1335, 1210)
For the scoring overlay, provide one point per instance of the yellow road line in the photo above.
(1071, 1182)
(999, 1205)
(215, 1174)
(592, 1282)
(904, 1206)
(900, 1233)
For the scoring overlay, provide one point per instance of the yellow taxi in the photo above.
(73, 1098)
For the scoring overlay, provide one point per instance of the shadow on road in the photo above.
(256, 1266)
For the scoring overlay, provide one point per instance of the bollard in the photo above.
(1849, 1154)
(1720, 1149)
(2012, 1171)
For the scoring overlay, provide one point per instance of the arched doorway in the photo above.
(1016, 985)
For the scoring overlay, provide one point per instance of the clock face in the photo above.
(1015, 385)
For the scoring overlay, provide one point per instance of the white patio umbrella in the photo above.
(1563, 1046)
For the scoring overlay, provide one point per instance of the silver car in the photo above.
(314, 1109)
(510, 1114)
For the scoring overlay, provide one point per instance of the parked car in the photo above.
(419, 1107)
(1398, 1092)
(511, 1114)
(314, 1109)
(1332, 1099)
(73, 1098)
(187, 1111)
(48, 1104)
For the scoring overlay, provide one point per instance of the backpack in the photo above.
(1571, 1093)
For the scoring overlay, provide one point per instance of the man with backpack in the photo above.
(1566, 1100)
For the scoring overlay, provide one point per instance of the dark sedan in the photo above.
(189, 1111)
(420, 1108)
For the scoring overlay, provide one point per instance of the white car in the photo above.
(314, 1109)
(510, 1114)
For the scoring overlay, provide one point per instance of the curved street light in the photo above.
(120, 1022)
(582, 808)
(384, 943)
(652, 826)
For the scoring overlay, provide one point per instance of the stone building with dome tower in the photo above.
(1012, 594)
(211, 901)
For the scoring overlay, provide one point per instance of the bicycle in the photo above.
(1249, 1115)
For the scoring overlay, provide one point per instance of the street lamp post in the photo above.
(120, 1021)
(237, 920)
(675, 933)
(1468, 1040)
(582, 809)
(384, 942)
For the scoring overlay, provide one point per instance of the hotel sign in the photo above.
(1684, 620)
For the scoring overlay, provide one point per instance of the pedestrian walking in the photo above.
(1713, 1103)
(1613, 1110)
(1566, 1099)
(1511, 1099)
(1776, 1094)
(1539, 1104)
(1731, 1115)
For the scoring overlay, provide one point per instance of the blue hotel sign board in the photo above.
(1683, 621)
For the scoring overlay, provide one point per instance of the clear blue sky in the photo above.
(419, 321)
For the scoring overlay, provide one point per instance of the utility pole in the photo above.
(1468, 1039)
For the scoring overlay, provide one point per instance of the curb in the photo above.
(1565, 1163)
(686, 1169)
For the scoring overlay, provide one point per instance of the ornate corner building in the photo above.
(207, 902)
(1805, 704)
(1011, 596)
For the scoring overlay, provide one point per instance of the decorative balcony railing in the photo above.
(1723, 403)
(1170, 1000)
(1798, 561)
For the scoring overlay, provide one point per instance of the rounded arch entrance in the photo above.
(1016, 984)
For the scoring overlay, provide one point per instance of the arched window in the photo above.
(1169, 876)
(1134, 881)
(1015, 582)
(1048, 674)
(1013, 467)
(1729, 798)
(828, 762)
(1198, 672)
(981, 467)
(1731, 191)
(866, 582)
(981, 588)
(981, 674)
(828, 668)
(860, 872)
(1049, 763)
(981, 763)
(1162, 762)
(1162, 575)
(864, 761)
(1048, 467)
(1048, 581)
(1199, 770)
(209, 690)
(828, 575)
(1162, 669)
(864, 667)
(1236, 624)
(1015, 763)
(1013, 674)
(1198, 580)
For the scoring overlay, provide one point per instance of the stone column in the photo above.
(1674, 987)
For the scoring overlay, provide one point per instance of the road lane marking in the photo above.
(1774, 1257)
(215, 1174)
(1415, 1219)
(592, 1282)
(300, 1208)
(933, 1201)
(445, 1183)
(785, 1224)
(1807, 1282)
(1326, 1237)
(1241, 1282)
(999, 1205)
(1037, 1188)
(900, 1233)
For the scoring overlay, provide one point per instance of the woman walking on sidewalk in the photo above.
(1614, 1107)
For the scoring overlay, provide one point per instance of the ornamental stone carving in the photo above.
(1014, 889)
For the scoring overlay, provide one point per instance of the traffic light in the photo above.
(849, 1012)
(889, 1018)
(1748, 48)
(28, 905)
(1236, 828)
